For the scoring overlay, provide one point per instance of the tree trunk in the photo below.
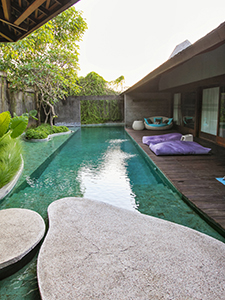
(38, 106)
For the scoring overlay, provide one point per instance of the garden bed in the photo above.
(49, 137)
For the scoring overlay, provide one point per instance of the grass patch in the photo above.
(10, 159)
(42, 131)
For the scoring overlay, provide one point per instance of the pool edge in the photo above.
(165, 180)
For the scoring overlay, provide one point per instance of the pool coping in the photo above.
(48, 138)
(39, 170)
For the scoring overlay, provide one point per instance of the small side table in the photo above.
(138, 125)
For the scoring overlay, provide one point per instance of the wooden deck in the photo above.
(194, 176)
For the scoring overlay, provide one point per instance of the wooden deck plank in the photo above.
(193, 175)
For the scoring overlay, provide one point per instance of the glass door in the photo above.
(210, 107)
(222, 114)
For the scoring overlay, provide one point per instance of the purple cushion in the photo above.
(178, 148)
(154, 139)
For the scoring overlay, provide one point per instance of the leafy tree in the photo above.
(46, 60)
(99, 111)
(118, 83)
(95, 85)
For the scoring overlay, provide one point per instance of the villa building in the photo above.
(189, 87)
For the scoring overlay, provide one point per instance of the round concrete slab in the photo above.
(97, 251)
(20, 232)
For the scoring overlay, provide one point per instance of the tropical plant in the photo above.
(46, 60)
(12, 127)
(117, 84)
(10, 148)
(10, 159)
(95, 85)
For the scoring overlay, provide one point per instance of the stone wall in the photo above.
(15, 102)
(68, 111)
(143, 106)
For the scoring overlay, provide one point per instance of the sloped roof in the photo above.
(18, 18)
(210, 41)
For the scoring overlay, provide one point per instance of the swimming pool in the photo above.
(99, 163)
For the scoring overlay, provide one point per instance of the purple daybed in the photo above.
(176, 147)
(155, 139)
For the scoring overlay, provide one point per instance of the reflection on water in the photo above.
(108, 180)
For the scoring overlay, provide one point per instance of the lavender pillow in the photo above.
(155, 139)
(178, 148)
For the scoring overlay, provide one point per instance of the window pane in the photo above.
(210, 105)
(188, 109)
(222, 114)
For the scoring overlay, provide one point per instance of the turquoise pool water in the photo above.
(99, 163)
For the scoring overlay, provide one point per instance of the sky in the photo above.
(132, 38)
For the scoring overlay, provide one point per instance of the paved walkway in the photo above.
(97, 251)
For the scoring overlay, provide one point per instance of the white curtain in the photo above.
(177, 117)
(222, 114)
(210, 106)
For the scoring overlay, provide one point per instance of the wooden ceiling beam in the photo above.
(6, 5)
(13, 25)
(18, 28)
(59, 2)
(19, 10)
(17, 21)
(47, 4)
(44, 11)
(29, 11)
(8, 35)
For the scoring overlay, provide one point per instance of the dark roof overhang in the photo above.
(209, 42)
(18, 18)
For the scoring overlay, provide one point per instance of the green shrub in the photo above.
(61, 129)
(10, 159)
(42, 131)
(35, 134)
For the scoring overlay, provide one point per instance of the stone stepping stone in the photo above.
(97, 251)
(21, 230)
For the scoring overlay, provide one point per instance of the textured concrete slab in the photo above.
(20, 231)
(97, 251)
